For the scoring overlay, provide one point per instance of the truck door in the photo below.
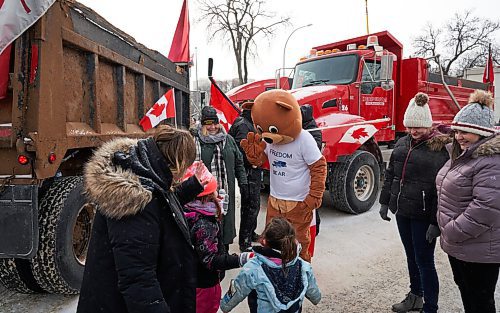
(375, 102)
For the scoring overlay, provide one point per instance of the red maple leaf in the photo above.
(157, 109)
(359, 133)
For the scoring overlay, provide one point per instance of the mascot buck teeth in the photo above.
(297, 168)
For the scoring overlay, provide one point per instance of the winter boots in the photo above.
(410, 303)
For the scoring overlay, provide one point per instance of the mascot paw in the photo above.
(254, 148)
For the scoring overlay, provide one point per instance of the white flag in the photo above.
(16, 16)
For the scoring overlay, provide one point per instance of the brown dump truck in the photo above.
(76, 81)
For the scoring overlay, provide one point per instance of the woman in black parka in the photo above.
(140, 257)
(409, 191)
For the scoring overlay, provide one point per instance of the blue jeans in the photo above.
(420, 258)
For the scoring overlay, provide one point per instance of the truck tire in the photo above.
(354, 182)
(15, 274)
(65, 221)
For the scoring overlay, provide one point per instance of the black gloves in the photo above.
(432, 233)
(384, 209)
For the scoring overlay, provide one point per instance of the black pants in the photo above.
(250, 207)
(477, 282)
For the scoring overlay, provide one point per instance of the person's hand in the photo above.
(198, 173)
(244, 257)
(384, 209)
(432, 233)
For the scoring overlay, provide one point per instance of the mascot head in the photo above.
(276, 115)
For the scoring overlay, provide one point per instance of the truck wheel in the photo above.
(354, 182)
(15, 274)
(65, 221)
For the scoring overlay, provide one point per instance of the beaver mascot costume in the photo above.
(297, 167)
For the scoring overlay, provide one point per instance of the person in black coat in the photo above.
(308, 122)
(409, 191)
(250, 198)
(140, 257)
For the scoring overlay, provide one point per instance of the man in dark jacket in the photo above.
(140, 257)
(308, 122)
(250, 200)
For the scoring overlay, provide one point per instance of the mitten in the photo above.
(245, 256)
(384, 209)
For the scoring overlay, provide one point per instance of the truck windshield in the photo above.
(338, 70)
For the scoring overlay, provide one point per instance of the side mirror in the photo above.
(386, 62)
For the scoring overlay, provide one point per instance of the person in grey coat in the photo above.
(469, 204)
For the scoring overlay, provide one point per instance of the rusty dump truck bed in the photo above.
(78, 81)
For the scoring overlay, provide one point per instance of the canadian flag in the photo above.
(163, 108)
(16, 16)
(358, 134)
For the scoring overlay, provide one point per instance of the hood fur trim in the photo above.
(108, 185)
(438, 142)
(489, 148)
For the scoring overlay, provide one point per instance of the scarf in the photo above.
(217, 166)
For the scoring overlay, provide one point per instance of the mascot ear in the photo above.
(247, 105)
(284, 105)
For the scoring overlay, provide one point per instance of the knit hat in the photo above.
(209, 116)
(418, 113)
(476, 117)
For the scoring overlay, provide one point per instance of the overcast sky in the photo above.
(153, 23)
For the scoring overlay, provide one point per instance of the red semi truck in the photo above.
(354, 81)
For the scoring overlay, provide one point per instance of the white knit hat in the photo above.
(476, 117)
(418, 113)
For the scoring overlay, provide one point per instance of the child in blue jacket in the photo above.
(276, 274)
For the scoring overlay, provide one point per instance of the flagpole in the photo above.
(367, 28)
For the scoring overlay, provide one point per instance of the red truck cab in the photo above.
(359, 90)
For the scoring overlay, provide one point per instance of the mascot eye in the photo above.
(259, 129)
(273, 129)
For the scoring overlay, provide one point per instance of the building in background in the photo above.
(477, 75)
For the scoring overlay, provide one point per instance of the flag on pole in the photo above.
(179, 50)
(16, 16)
(489, 75)
(225, 108)
(4, 71)
(163, 108)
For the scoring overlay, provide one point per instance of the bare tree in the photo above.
(241, 21)
(462, 43)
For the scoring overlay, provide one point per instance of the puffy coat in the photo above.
(140, 257)
(469, 203)
(409, 186)
(206, 235)
(276, 292)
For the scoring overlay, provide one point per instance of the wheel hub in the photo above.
(81, 232)
(364, 183)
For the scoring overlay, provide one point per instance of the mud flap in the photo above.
(19, 221)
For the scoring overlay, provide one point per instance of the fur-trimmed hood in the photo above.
(488, 148)
(122, 175)
(438, 141)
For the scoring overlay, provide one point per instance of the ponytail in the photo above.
(288, 249)
(280, 235)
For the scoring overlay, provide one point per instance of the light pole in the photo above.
(284, 49)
